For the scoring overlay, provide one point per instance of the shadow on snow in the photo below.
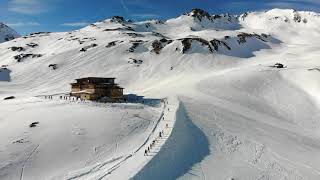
(186, 147)
(5, 74)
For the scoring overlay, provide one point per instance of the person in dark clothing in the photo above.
(145, 152)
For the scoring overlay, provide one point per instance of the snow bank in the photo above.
(186, 146)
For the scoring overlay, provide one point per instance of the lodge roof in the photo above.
(95, 78)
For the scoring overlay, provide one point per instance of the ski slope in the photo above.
(230, 114)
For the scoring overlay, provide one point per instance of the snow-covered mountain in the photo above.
(6, 33)
(226, 112)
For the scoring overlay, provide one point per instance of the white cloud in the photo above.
(23, 24)
(75, 24)
(145, 16)
(124, 6)
(28, 6)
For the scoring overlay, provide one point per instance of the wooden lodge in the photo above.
(96, 88)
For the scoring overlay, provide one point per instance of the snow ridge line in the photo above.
(26, 161)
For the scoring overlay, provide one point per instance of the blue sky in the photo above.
(27, 16)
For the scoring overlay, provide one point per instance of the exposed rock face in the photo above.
(187, 42)
(217, 43)
(53, 66)
(200, 14)
(242, 37)
(297, 17)
(88, 47)
(136, 62)
(244, 15)
(118, 19)
(110, 44)
(19, 49)
(32, 45)
(157, 46)
(126, 28)
(21, 57)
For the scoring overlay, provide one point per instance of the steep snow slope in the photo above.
(236, 116)
(6, 33)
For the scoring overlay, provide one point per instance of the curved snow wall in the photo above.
(186, 146)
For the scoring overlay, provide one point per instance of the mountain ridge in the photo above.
(232, 113)
(7, 33)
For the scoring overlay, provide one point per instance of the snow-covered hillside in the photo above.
(6, 33)
(230, 114)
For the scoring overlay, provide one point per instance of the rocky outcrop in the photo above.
(112, 43)
(200, 14)
(217, 43)
(187, 42)
(242, 37)
(84, 49)
(19, 49)
(117, 19)
(53, 66)
(21, 57)
(157, 46)
(136, 62)
(244, 15)
(297, 17)
(125, 28)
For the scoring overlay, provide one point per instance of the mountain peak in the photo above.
(199, 14)
(7, 33)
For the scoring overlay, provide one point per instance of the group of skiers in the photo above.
(48, 97)
(146, 151)
(66, 98)
(71, 98)
(161, 134)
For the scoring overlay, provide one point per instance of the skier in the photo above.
(145, 152)
(160, 134)
(167, 125)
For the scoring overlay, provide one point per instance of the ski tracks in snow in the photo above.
(125, 158)
(26, 161)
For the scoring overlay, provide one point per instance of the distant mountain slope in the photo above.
(7, 33)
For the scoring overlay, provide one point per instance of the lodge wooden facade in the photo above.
(95, 88)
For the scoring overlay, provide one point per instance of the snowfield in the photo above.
(208, 83)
